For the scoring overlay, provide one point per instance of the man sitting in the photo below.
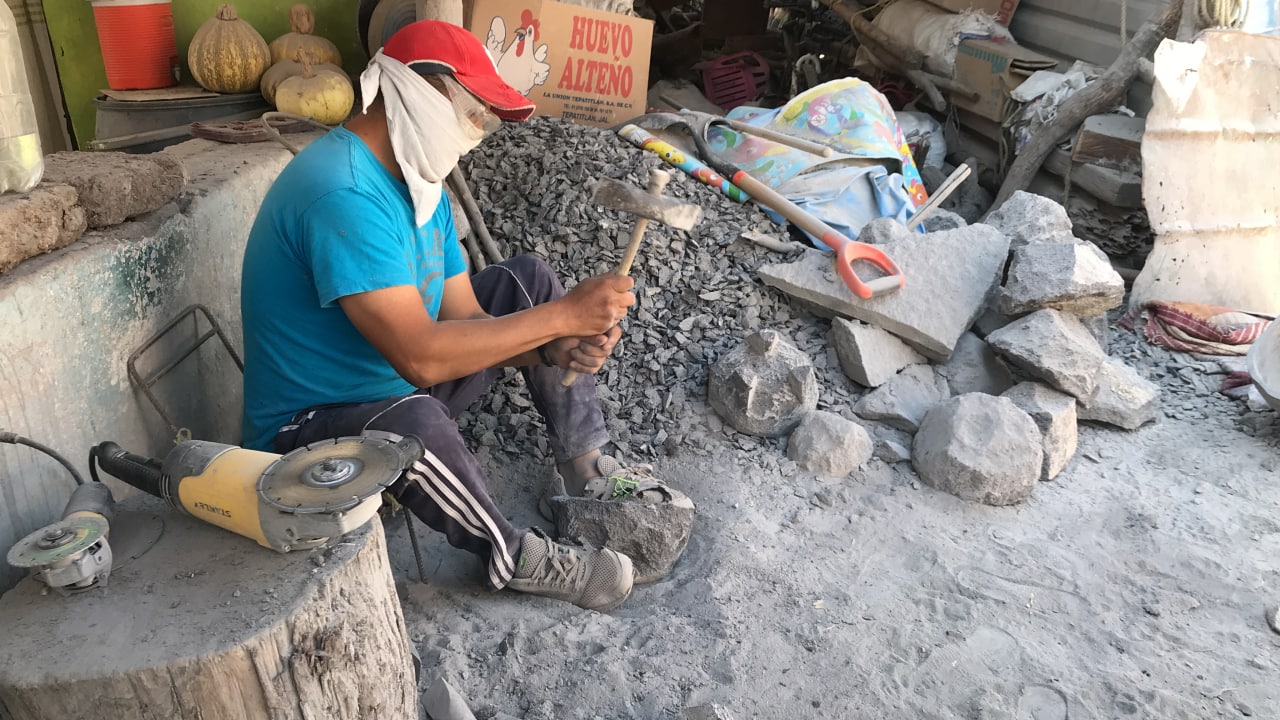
(359, 315)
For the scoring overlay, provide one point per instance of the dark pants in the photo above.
(447, 488)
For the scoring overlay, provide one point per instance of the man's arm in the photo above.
(466, 340)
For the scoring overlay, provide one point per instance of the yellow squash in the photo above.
(303, 23)
(285, 69)
(325, 97)
(227, 55)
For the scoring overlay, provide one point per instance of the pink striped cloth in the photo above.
(1194, 327)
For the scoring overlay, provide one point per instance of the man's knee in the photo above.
(535, 273)
(420, 415)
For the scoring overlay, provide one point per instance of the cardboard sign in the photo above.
(576, 63)
(993, 69)
(1002, 9)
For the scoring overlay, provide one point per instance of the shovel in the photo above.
(847, 251)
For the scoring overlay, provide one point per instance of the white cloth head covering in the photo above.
(424, 129)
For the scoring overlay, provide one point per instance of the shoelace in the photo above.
(622, 486)
(565, 563)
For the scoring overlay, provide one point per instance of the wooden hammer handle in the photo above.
(658, 180)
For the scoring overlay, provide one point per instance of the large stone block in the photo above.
(974, 367)
(1026, 218)
(903, 401)
(115, 186)
(980, 448)
(765, 387)
(1055, 347)
(1076, 278)
(37, 222)
(869, 355)
(1122, 398)
(1055, 414)
(949, 278)
(828, 444)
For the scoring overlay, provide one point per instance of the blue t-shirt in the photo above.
(334, 223)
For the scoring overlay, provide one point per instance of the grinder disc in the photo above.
(331, 475)
(59, 541)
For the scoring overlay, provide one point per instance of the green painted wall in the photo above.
(79, 57)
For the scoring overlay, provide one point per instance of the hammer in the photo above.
(646, 206)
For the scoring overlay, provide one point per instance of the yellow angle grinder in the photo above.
(283, 502)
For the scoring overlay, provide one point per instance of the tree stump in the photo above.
(209, 625)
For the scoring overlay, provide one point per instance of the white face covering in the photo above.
(425, 132)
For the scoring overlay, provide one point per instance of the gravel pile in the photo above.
(698, 294)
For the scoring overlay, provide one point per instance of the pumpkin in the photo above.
(325, 97)
(302, 23)
(227, 55)
(284, 69)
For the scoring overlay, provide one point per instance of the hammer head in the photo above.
(660, 208)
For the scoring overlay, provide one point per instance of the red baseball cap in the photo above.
(433, 46)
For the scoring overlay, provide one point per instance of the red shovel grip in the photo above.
(848, 251)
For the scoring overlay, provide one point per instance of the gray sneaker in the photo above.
(589, 578)
(614, 482)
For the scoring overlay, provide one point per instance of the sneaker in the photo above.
(616, 482)
(589, 578)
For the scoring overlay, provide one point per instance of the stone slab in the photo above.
(1055, 414)
(116, 186)
(654, 535)
(949, 278)
(1075, 278)
(903, 401)
(1122, 398)
(868, 355)
(37, 222)
(974, 367)
(1026, 218)
(1055, 347)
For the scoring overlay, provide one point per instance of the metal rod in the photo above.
(473, 214)
(413, 540)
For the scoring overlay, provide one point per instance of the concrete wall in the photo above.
(70, 320)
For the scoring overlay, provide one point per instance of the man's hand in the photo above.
(584, 354)
(596, 305)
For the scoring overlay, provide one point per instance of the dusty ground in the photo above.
(1133, 585)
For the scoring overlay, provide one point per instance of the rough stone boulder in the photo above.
(980, 448)
(868, 355)
(1055, 347)
(653, 534)
(115, 186)
(765, 387)
(903, 401)
(949, 278)
(37, 222)
(1122, 398)
(1028, 218)
(827, 444)
(1076, 278)
(1055, 414)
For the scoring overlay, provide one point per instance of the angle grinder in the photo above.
(283, 502)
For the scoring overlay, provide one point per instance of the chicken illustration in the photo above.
(522, 63)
